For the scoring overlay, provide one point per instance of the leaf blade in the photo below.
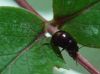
(15, 29)
(67, 9)
(18, 28)
(24, 59)
(86, 27)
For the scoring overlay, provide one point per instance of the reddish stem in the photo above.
(84, 62)
(26, 5)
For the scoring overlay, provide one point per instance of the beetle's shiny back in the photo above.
(66, 41)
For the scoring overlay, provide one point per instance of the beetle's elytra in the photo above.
(66, 42)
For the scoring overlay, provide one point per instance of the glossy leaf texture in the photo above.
(67, 8)
(20, 53)
(85, 28)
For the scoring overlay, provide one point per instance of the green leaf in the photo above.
(38, 60)
(85, 28)
(17, 29)
(66, 8)
(20, 52)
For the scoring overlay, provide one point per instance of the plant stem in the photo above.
(26, 5)
(84, 62)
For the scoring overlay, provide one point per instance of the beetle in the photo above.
(66, 42)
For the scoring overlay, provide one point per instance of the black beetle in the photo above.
(66, 42)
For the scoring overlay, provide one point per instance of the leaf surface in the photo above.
(66, 8)
(86, 27)
(20, 53)
(82, 20)
(17, 29)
